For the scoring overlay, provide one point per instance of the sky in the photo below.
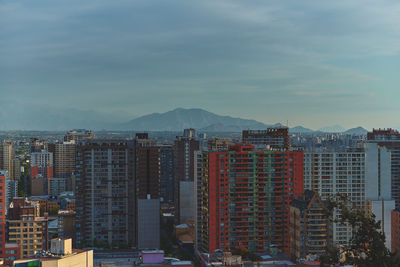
(312, 63)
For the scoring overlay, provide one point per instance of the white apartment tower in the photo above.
(329, 173)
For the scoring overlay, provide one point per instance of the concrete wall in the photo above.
(186, 199)
(148, 223)
(382, 209)
(377, 173)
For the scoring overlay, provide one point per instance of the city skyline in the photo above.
(311, 63)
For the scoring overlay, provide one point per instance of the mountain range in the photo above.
(178, 119)
(205, 121)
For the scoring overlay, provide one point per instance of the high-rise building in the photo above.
(8, 251)
(184, 163)
(167, 173)
(274, 138)
(67, 225)
(218, 144)
(390, 139)
(243, 198)
(105, 193)
(12, 190)
(37, 145)
(16, 168)
(42, 164)
(64, 161)
(27, 228)
(6, 158)
(57, 186)
(147, 168)
(310, 226)
(78, 135)
(330, 173)
(378, 187)
(148, 223)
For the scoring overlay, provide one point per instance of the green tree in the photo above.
(367, 246)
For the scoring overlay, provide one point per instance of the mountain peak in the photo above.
(181, 118)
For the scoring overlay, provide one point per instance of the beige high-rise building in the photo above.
(26, 227)
(6, 158)
(64, 161)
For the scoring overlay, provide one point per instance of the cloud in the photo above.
(133, 57)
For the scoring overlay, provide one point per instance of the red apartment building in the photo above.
(244, 196)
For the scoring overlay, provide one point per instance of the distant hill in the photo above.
(300, 129)
(332, 129)
(358, 130)
(180, 118)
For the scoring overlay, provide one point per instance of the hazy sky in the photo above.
(314, 63)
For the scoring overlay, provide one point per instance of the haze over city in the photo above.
(312, 63)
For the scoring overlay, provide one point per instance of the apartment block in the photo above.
(8, 251)
(105, 193)
(330, 173)
(26, 227)
(310, 226)
(147, 167)
(243, 198)
(167, 173)
(7, 158)
(184, 163)
(390, 139)
(64, 161)
(274, 138)
(78, 135)
(42, 164)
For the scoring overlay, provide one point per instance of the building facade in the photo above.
(26, 227)
(330, 173)
(184, 163)
(167, 173)
(105, 193)
(64, 161)
(7, 158)
(243, 198)
(310, 226)
(274, 138)
(390, 139)
(42, 164)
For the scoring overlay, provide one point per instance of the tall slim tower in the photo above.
(184, 167)
(390, 139)
(6, 158)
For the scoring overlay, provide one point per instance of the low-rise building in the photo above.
(61, 254)
(310, 228)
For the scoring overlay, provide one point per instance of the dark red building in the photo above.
(275, 138)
